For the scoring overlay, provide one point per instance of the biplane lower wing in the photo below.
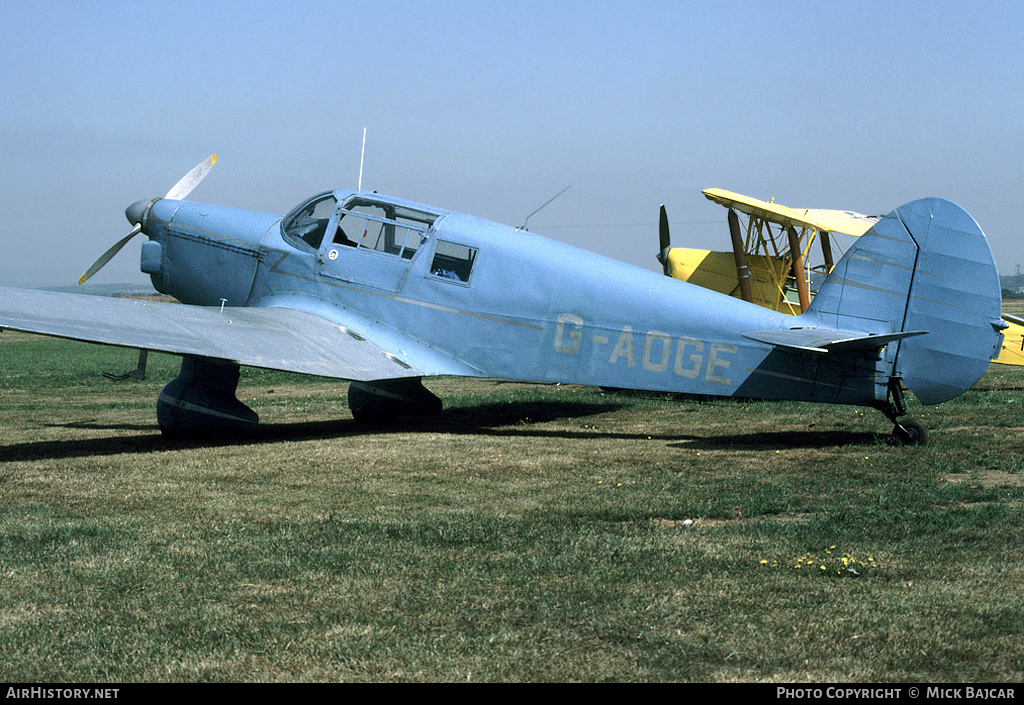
(272, 338)
(717, 271)
(1012, 352)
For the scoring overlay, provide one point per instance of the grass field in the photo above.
(534, 533)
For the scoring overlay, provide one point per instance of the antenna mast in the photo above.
(361, 155)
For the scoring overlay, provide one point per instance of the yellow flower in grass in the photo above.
(844, 564)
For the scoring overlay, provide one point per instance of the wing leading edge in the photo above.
(273, 338)
(836, 221)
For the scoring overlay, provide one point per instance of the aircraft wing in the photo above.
(1012, 352)
(822, 220)
(273, 338)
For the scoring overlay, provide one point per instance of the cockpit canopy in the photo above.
(360, 220)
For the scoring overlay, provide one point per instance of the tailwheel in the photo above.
(909, 432)
(906, 431)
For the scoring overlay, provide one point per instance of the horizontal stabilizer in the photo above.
(823, 340)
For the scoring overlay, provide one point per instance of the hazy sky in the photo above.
(494, 107)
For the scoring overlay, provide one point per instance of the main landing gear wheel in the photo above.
(909, 432)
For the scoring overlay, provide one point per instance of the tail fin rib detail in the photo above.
(956, 296)
(924, 267)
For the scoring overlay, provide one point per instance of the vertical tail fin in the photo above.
(924, 267)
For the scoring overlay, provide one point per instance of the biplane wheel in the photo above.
(909, 432)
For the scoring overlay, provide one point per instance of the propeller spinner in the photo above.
(177, 192)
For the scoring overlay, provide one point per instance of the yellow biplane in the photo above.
(774, 260)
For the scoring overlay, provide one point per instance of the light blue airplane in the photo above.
(384, 292)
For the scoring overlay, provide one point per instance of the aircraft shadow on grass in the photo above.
(511, 420)
(782, 440)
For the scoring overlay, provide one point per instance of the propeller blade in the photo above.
(177, 192)
(105, 257)
(665, 242)
(191, 179)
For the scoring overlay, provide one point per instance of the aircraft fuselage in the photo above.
(448, 293)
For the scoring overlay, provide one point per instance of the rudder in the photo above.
(955, 296)
(924, 267)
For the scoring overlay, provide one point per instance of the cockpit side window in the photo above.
(306, 226)
(453, 262)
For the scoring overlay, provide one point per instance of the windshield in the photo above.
(305, 226)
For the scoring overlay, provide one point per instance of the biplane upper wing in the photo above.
(833, 221)
(823, 220)
(273, 338)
